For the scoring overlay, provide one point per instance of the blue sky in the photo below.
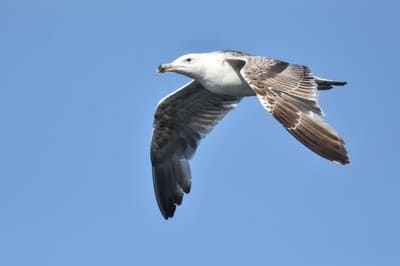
(78, 89)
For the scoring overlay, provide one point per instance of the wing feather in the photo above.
(289, 92)
(180, 121)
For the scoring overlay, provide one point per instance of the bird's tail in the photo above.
(326, 84)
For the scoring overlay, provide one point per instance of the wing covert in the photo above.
(289, 92)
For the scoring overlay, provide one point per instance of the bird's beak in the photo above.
(165, 67)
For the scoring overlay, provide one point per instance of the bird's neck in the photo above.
(221, 78)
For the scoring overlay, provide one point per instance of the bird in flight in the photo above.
(220, 80)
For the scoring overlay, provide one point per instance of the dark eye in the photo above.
(188, 59)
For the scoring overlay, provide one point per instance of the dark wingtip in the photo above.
(171, 179)
(343, 161)
(168, 212)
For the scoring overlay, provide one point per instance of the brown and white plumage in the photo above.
(220, 79)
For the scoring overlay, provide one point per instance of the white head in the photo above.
(195, 66)
(211, 70)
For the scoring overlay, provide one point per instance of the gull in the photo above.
(220, 80)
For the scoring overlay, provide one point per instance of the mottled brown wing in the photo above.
(289, 92)
(181, 120)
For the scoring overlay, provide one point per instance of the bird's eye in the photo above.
(188, 59)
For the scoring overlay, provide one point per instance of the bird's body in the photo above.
(220, 77)
(220, 80)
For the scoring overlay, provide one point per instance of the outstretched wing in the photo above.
(181, 120)
(289, 92)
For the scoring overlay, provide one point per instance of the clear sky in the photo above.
(78, 89)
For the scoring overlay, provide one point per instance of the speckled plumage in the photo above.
(220, 79)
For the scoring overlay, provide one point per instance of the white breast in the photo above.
(223, 79)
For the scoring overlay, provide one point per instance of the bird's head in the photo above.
(191, 65)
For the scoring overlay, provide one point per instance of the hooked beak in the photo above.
(165, 68)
